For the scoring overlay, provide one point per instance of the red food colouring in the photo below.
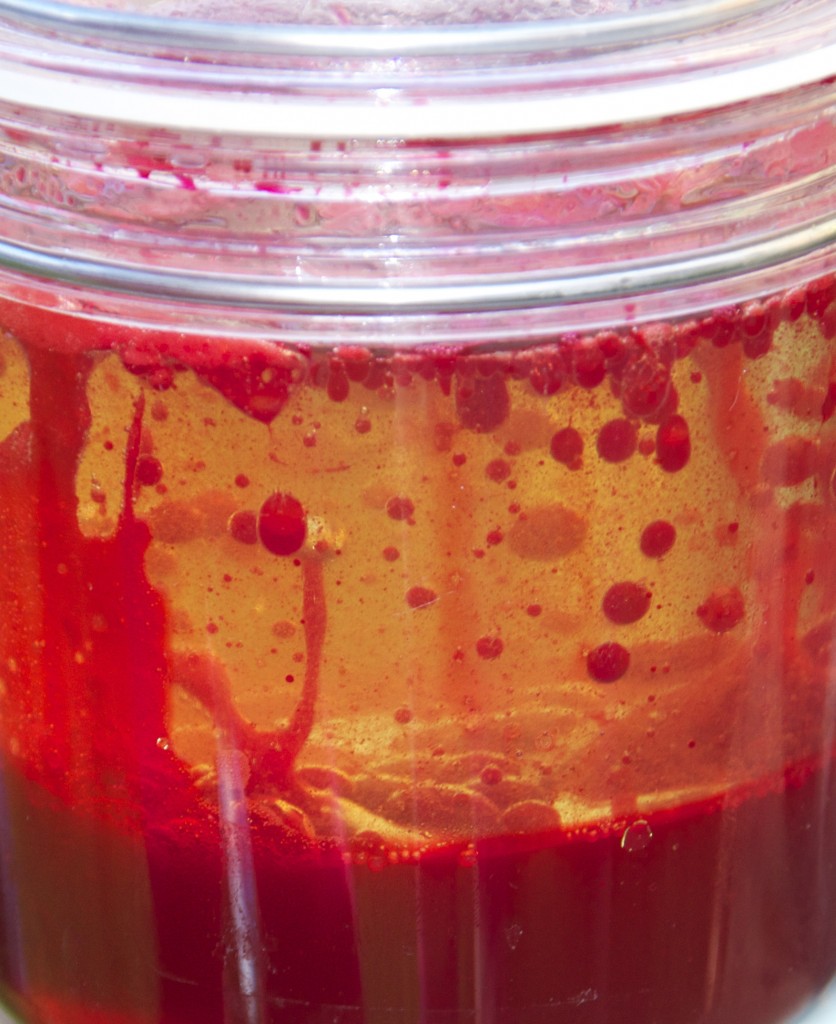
(546, 374)
(617, 440)
(482, 403)
(391, 554)
(489, 647)
(242, 480)
(673, 444)
(626, 602)
(645, 384)
(829, 404)
(722, 610)
(459, 459)
(400, 508)
(607, 662)
(567, 447)
(588, 365)
(362, 425)
(491, 775)
(338, 384)
(657, 538)
(494, 537)
(789, 462)
(403, 715)
(282, 526)
(534, 610)
(420, 597)
(258, 383)
(243, 527)
(149, 471)
(498, 470)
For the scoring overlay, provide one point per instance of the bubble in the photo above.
(636, 837)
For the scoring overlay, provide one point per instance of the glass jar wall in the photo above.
(417, 588)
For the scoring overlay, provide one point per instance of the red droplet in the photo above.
(242, 480)
(534, 610)
(149, 470)
(657, 538)
(281, 524)
(338, 385)
(400, 508)
(673, 444)
(362, 426)
(607, 662)
(722, 610)
(420, 597)
(391, 554)
(403, 715)
(489, 647)
(792, 304)
(617, 440)
(588, 365)
(482, 403)
(626, 602)
(497, 470)
(645, 385)
(567, 447)
(243, 527)
(820, 294)
(491, 775)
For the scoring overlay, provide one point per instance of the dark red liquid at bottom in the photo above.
(713, 913)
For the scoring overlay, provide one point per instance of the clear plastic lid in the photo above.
(373, 68)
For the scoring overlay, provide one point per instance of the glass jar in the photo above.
(417, 488)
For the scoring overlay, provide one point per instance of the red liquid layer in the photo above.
(134, 889)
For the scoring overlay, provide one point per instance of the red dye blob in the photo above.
(482, 403)
(673, 444)
(546, 375)
(567, 447)
(626, 602)
(242, 480)
(588, 366)
(281, 524)
(149, 471)
(534, 610)
(243, 527)
(645, 385)
(259, 384)
(338, 385)
(420, 597)
(362, 426)
(391, 554)
(400, 508)
(722, 610)
(607, 662)
(489, 647)
(497, 470)
(617, 440)
(657, 538)
(403, 716)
